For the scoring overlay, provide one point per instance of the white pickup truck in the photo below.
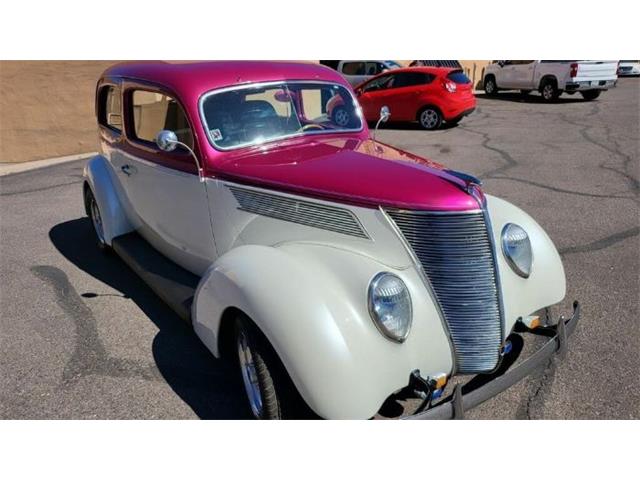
(551, 77)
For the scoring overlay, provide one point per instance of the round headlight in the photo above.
(390, 306)
(517, 249)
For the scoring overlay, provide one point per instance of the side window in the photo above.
(153, 112)
(410, 79)
(353, 68)
(372, 68)
(109, 112)
(380, 83)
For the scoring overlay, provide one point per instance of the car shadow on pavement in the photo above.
(518, 97)
(206, 384)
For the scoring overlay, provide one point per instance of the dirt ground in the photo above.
(46, 108)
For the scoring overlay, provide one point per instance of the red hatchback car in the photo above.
(428, 95)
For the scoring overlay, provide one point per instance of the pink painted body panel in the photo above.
(346, 167)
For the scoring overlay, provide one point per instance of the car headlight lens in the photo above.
(517, 249)
(390, 306)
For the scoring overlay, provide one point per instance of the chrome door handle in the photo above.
(127, 170)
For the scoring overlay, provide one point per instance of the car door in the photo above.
(405, 94)
(505, 74)
(374, 94)
(354, 71)
(522, 74)
(168, 200)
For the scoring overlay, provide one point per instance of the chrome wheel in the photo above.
(249, 375)
(341, 117)
(489, 87)
(429, 119)
(548, 91)
(96, 219)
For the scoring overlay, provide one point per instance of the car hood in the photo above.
(349, 170)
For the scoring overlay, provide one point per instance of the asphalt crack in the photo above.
(89, 355)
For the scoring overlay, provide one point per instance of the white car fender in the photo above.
(316, 317)
(546, 284)
(98, 173)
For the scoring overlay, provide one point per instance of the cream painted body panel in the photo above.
(546, 285)
(306, 288)
(171, 211)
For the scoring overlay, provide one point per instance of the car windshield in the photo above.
(255, 114)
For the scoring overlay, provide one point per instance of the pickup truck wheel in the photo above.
(549, 91)
(270, 391)
(490, 87)
(96, 219)
(590, 94)
(429, 118)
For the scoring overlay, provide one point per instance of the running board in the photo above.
(172, 283)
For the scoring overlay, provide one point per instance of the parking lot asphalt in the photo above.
(82, 337)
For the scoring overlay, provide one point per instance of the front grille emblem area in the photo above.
(456, 255)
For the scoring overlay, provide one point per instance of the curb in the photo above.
(9, 168)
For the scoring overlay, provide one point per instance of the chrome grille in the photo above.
(290, 209)
(456, 254)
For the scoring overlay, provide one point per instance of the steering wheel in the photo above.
(311, 126)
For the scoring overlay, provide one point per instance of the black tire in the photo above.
(490, 86)
(341, 116)
(549, 90)
(589, 95)
(525, 92)
(93, 211)
(278, 396)
(429, 118)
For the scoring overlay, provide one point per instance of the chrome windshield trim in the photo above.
(246, 85)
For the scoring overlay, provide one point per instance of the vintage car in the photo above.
(331, 269)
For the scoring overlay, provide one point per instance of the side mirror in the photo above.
(385, 113)
(358, 92)
(167, 140)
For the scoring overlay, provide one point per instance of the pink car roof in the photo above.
(194, 78)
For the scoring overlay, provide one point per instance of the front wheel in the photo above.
(429, 118)
(590, 94)
(490, 86)
(270, 391)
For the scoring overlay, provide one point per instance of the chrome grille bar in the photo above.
(456, 254)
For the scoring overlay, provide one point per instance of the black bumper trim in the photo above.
(459, 403)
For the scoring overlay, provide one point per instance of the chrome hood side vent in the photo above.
(303, 212)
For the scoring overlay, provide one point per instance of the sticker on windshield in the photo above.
(216, 134)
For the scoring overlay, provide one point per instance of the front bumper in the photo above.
(461, 400)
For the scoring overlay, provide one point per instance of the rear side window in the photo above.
(458, 76)
(109, 112)
(353, 68)
(153, 111)
(410, 79)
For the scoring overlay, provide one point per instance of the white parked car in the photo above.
(331, 269)
(551, 77)
(629, 68)
(358, 71)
